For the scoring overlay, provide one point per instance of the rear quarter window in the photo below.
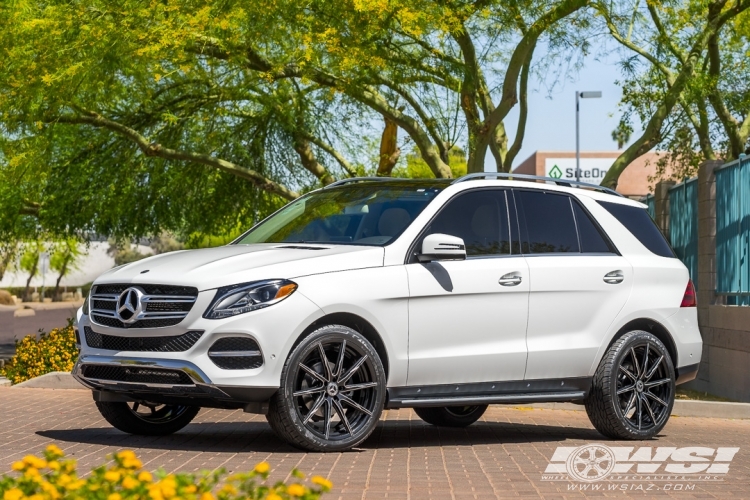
(641, 225)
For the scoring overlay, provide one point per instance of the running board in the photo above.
(551, 397)
(504, 392)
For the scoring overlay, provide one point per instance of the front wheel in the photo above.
(451, 416)
(633, 389)
(147, 419)
(332, 391)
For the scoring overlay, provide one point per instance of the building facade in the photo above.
(634, 181)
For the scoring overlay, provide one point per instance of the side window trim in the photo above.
(411, 255)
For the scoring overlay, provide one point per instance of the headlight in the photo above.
(239, 299)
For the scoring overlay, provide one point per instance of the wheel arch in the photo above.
(354, 322)
(653, 327)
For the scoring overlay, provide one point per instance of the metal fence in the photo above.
(683, 224)
(733, 231)
(649, 201)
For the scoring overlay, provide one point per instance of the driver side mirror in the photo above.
(442, 247)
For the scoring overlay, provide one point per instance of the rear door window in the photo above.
(643, 227)
(547, 223)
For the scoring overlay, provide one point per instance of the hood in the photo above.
(209, 268)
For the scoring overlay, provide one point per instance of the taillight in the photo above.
(689, 300)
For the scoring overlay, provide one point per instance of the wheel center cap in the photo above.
(332, 388)
(639, 386)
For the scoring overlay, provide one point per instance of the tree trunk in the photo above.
(32, 273)
(389, 150)
(63, 271)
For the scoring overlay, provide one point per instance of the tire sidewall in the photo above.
(632, 339)
(300, 352)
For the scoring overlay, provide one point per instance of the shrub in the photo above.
(6, 298)
(55, 478)
(55, 351)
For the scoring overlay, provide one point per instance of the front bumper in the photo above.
(148, 379)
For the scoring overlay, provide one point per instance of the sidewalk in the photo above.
(502, 456)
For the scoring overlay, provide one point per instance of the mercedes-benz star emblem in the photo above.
(129, 305)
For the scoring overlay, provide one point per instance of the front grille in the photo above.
(156, 306)
(177, 343)
(148, 289)
(136, 375)
(236, 353)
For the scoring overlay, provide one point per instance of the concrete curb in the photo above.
(682, 408)
(4, 382)
(53, 380)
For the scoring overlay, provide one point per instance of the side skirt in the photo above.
(507, 392)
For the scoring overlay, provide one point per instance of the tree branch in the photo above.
(333, 152)
(157, 150)
(522, 117)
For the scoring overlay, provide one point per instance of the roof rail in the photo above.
(526, 177)
(361, 179)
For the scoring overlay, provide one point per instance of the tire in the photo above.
(158, 420)
(451, 416)
(333, 406)
(633, 389)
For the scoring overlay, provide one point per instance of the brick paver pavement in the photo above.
(502, 456)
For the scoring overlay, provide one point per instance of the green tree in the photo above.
(679, 59)
(64, 259)
(29, 263)
(126, 120)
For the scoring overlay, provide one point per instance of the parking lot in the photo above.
(505, 455)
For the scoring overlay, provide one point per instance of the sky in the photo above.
(551, 120)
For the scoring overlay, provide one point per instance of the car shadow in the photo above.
(236, 437)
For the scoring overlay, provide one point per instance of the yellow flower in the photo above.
(126, 455)
(229, 489)
(191, 489)
(50, 490)
(207, 496)
(112, 476)
(75, 485)
(273, 496)
(54, 465)
(36, 497)
(262, 468)
(323, 482)
(64, 479)
(114, 496)
(129, 483)
(295, 490)
(145, 477)
(54, 450)
(132, 463)
(13, 494)
(18, 466)
(35, 462)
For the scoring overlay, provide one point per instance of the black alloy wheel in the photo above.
(451, 416)
(333, 391)
(147, 418)
(633, 389)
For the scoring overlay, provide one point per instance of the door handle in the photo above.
(510, 279)
(614, 277)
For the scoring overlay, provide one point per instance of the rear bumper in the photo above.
(149, 379)
(685, 373)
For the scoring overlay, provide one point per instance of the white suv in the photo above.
(372, 294)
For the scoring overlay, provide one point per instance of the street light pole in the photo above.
(593, 94)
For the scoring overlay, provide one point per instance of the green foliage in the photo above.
(126, 120)
(52, 352)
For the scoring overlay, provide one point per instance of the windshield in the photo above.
(361, 214)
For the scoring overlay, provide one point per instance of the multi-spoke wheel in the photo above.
(633, 389)
(451, 416)
(332, 391)
(146, 418)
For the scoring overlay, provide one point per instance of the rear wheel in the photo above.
(633, 389)
(147, 419)
(332, 391)
(451, 416)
